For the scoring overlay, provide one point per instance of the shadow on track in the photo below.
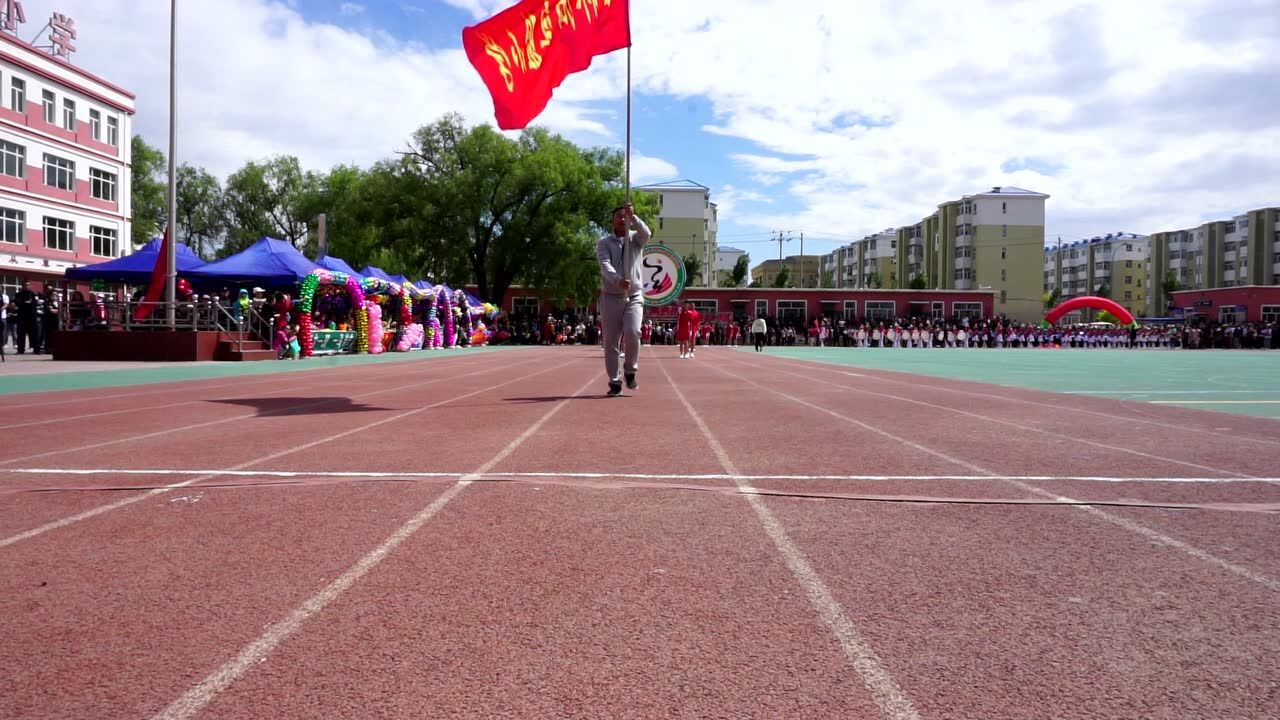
(285, 406)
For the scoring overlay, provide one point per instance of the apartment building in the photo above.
(726, 259)
(64, 157)
(1242, 251)
(1117, 265)
(687, 222)
(766, 272)
(869, 263)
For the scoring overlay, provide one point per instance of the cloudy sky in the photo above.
(833, 117)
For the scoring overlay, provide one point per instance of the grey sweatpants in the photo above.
(620, 316)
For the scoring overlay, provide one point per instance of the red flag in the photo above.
(159, 277)
(524, 52)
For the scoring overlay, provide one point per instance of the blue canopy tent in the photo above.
(268, 262)
(400, 280)
(423, 285)
(136, 269)
(337, 265)
(371, 271)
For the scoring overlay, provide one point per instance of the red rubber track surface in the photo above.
(581, 597)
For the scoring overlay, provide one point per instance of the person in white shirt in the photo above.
(758, 330)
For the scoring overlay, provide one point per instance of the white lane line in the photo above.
(627, 476)
(93, 512)
(1215, 402)
(1129, 525)
(1186, 428)
(888, 695)
(197, 697)
(245, 416)
(1030, 428)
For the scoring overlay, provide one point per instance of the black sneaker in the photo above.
(615, 389)
(631, 381)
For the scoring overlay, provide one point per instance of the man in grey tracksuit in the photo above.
(621, 302)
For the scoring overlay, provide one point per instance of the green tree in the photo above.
(1103, 290)
(1171, 284)
(873, 280)
(272, 198)
(741, 269)
(919, 281)
(527, 210)
(693, 269)
(828, 279)
(201, 221)
(783, 278)
(1051, 298)
(1104, 316)
(148, 191)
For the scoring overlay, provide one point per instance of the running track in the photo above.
(487, 536)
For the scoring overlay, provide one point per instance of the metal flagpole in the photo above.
(171, 284)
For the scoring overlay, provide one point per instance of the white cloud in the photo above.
(350, 8)
(645, 169)
(1150, 109)
(256, 79)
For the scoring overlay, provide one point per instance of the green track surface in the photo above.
(1244, 382)
(124, 374)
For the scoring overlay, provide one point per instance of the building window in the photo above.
(1128, 263)
(50, 107)
(95, 124)
(69, 114)
(1002, 254)
(113, 132)
(524, 306)
(970, 310)
(1227, 314)
(1004, 208)
(1004, 296)
(1004, 275)
(762, 307)
(964, 273)
(881, 310)
(1128, 279)
(104, 241)
(10, 284)
(1004, 231)
(1128, 295)
(1228, 266)
(851, 310)
(59, 172)
(1270, 313)
(13, 159)
(18, 95)
(59, 234)
(103, 184)
(790, 311)
(13, 226)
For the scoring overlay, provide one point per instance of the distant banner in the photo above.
(663, 273)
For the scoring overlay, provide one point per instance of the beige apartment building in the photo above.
(1117, 265)
(987, 241)
(766, 272)
(686, 223)
(1242, 251)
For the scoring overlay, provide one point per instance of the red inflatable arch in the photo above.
(1124, 317)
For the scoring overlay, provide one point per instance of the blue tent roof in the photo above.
(423, 285)
(136, 269)
(399, 279)
(371, 271)
(269, 261)
(336, 265)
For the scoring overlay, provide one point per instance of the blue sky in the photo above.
(826, 121)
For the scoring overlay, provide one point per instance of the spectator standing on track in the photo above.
(758, 330)
(621, 302)
(684, 329)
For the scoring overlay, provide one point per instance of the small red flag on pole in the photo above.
(159, 278)
(524, 52)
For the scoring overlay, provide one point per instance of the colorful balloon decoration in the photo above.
(336, 285)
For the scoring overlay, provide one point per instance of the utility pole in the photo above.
(802, 258)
